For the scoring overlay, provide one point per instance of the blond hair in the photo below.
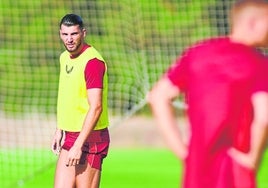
(246, 8)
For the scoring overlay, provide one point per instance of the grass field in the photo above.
(125, 168)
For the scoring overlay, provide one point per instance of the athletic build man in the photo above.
(82, 112)
(225, 83)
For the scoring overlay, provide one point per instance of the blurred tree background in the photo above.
(139, 40)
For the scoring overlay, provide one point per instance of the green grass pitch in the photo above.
(131, 168)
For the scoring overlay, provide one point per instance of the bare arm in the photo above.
(56, 141)
(259, 133)
(160, 99)
(95, 102)
(260, 127)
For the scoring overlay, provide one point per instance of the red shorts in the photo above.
(94, 150)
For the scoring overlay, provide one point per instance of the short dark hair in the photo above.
(71, 20)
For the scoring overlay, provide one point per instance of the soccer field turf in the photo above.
(129, 168)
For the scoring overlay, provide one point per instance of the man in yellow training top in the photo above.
(82, 112)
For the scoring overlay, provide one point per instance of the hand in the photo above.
(244, 159)
(56, 142)
(74, 156)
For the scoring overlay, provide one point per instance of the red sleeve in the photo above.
(178, 72)
(262, 78)
(94, 73)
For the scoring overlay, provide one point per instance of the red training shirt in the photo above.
(218, 78)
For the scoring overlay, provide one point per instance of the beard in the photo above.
(75, 47)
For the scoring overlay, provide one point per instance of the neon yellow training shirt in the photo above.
(72, 105)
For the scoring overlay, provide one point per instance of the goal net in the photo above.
(139, 39)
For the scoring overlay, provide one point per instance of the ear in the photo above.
(84, 32)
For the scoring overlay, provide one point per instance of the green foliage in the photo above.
(138, 39)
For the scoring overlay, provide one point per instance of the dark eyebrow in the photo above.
(74, 33)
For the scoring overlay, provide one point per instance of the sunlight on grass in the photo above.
(131, 168)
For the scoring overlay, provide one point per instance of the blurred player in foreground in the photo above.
(82, 110)
(225, 82)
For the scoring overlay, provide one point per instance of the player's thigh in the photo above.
(64, 176)
(87, 177)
